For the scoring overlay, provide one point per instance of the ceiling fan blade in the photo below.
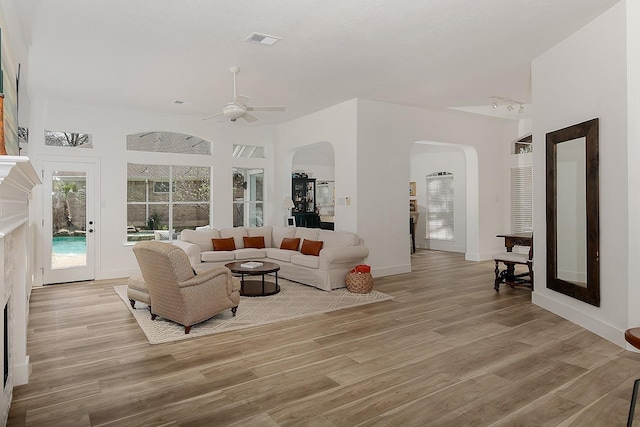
(249, 118)
(212, 116)
(242, 99)
(266, 108)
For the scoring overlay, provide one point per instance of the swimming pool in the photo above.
(70, 245)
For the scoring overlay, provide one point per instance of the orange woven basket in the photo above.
(359, 283)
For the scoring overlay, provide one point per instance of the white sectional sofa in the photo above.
(340, 252)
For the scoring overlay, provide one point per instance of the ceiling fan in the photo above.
(238, 107)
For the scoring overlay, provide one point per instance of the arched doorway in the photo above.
(317, 162)
(428, 160)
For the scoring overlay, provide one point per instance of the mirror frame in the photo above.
(589, 130)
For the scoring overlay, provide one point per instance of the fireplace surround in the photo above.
(17, 266)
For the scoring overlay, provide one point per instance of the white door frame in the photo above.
(76, 273)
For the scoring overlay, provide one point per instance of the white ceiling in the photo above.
(145, 54)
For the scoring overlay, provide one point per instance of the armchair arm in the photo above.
(203, 276)
(347, 255)
(206, 275)
(192, 250)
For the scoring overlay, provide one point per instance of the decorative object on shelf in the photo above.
(523, 145)
(412, 189)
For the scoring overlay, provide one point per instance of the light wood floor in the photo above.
(448, 351)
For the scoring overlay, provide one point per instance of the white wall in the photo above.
(581, 78)
(109, 127)
(386, 133)
(337, 126)
(372, 170)
(427, 159)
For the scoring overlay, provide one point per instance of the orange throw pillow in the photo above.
(227, 244)
(290, 243)
(254, 242)
(311, 247)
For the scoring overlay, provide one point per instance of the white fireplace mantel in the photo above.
(17, 179)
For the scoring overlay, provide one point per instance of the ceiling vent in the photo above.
(262, 39)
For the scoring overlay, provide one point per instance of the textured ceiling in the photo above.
(145, 54)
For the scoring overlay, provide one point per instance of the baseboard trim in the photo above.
(605, 330)
(391, 271)
(21, 372)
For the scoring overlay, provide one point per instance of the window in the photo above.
(67, 139)
(521, 199)
(168, 142)
(162, 197)
(248, 151)
(247, 197)
(440, 206)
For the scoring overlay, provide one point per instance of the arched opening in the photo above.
(316, 163)
(448, 217)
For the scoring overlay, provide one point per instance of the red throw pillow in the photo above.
(227, 244)
(311, 247)
(253, 242)
(290, 243)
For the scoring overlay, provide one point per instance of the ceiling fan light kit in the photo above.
(238, 108)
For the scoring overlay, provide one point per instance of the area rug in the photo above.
(293, 301)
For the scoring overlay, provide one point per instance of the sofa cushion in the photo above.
(237, 233)
(290, 243)
(307, 233)
(249, 253)
(224, 244)
(264, 231)
(202, 238)
(311, 247)
(216, 256)
(254, 242)
(336, 239)
(280, 254)
(305, 260)
(280, 233)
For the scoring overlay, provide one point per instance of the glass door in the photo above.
(69, 226)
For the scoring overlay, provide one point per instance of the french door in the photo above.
(69, 222)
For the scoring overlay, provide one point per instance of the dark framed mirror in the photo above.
(573, 265)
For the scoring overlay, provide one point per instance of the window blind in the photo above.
(440, 204)
(521, 199)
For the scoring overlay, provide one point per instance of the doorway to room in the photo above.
(69, 222)
(431, 163)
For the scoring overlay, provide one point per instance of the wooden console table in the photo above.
(518, 239)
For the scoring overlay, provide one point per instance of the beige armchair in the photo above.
(176, 292)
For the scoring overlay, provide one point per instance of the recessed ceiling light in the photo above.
(262, 39)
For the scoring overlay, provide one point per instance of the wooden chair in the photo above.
(633, 337)
(509, 275)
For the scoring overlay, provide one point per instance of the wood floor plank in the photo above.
(446, 351)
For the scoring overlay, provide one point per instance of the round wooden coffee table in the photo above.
(256, 288)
